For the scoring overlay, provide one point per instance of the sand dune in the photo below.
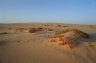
(25, 47)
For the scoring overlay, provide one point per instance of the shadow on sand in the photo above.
(3, 42)
(92, 38)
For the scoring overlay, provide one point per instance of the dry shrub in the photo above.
(19, 29)
(91, 45)
(10, 28)
(64, 26)
(53, 41)
(51, 25)
(46, 25)
(59, 32)
(91, 26)
(40, 29)
(48, 29)
(32, 30)
(58, 25)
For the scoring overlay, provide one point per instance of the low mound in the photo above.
(65, 42)
(30, 30)
(72, 33)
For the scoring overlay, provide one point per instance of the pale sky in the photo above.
(65, 11)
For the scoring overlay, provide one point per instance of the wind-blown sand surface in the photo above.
(25, 47)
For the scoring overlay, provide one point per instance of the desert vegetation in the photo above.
(32, 30)
(19, 29)
(75, 33)
(64, 26)
(58, 25)
(68, 37)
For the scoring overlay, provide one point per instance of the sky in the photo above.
(63, 11)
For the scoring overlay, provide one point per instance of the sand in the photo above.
(25, 47)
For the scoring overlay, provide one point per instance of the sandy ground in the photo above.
(24, 47)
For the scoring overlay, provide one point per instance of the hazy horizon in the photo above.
(59, 11)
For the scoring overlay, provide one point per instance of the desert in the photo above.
(47, 43)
